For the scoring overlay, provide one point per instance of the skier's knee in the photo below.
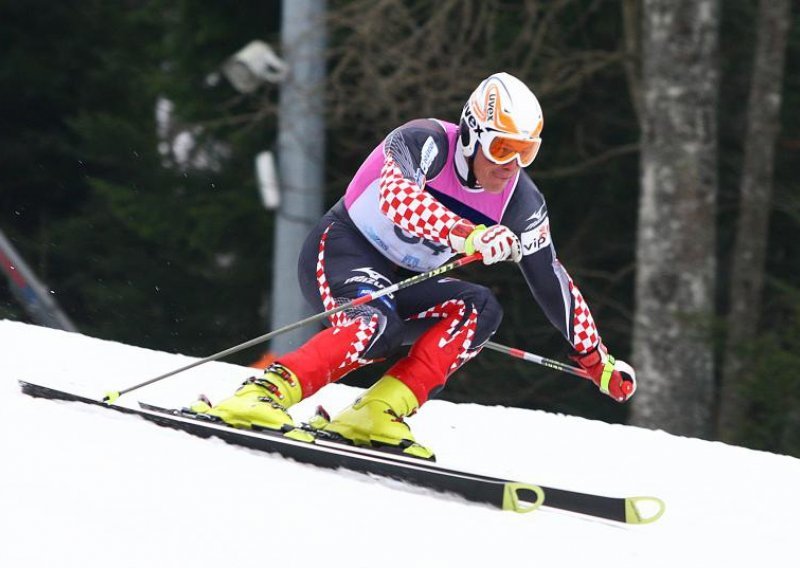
(390, 338)
(490, 315)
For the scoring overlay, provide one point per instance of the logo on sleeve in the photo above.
(536, 217)
(536, 238)
(426, 157)
(429, 152)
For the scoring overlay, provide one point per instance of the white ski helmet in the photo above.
(505, 118)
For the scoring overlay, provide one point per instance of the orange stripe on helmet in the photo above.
(501, 119)
(538, 130)
(478, 111)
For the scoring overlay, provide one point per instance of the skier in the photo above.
(429, 191)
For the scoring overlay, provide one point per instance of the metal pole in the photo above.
(544, 361)
(301, 158)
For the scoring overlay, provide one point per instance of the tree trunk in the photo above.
(747, 273)
(676, 237)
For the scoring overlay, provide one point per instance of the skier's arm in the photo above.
(402, 199)
(566, 308)
(559, 297)
(404, 202)
(401, 196)
(557, 294)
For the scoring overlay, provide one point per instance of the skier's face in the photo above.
(493, 177)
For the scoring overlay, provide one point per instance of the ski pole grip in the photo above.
(517, 497)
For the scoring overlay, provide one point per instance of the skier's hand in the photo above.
(613, 377)
(496, 243)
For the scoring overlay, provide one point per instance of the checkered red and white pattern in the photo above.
(460, 329)
(466, 353)
(411, 208)
(364, 332)
(366, 324)
(584, 331)
(322, 281)
(438, 352)
(442, 310)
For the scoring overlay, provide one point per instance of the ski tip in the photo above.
(522, 497)
(643, 510)
(111, 397)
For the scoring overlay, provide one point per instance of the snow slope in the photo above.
(81, 486)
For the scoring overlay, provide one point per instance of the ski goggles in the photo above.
(502, 149)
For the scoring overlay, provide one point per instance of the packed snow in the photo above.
(82, 486)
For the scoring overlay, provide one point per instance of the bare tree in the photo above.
(394, 60)
(676, 236)
(749, 251)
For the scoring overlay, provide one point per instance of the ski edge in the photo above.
(515, 495)
(500, 494)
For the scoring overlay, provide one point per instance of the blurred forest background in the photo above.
(152, 232)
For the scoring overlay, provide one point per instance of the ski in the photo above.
(501, 493)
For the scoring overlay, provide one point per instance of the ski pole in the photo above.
(551, 363)
(112, 396)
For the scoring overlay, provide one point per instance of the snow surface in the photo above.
(82, 486)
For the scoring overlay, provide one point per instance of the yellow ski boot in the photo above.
(376, 418)
(260, 402)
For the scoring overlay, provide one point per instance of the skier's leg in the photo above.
(463, 317)
(345, 267)
(336, 264)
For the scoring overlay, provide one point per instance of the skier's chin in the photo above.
(496, 185)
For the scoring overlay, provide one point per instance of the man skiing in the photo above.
(429, 191)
